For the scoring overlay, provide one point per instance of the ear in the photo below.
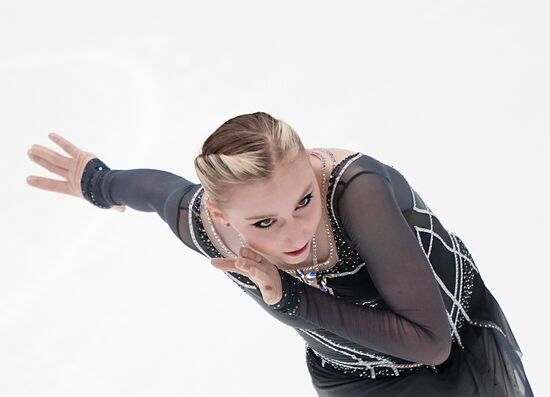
(215, 212)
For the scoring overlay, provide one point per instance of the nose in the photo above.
(295, 235)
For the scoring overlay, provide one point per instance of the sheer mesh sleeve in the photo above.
(149, 190)
(416, 327)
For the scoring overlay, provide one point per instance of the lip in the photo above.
(299, 251)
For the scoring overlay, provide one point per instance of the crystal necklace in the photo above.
(307, 274)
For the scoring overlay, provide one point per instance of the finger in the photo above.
(265, 283)
(48, 184)
(246, 252)
(225, 264)
(120, 208)
(67, 146)
(47, 165)
(255, 271)
(261, 278)
(51, 156)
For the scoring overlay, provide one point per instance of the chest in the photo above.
(349, 278)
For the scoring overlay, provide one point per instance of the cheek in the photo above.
(260, 240)
(316, 216)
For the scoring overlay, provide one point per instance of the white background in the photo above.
(93, 302)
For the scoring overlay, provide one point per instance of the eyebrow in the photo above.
(274, 215)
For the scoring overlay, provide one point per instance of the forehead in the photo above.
(281, 190)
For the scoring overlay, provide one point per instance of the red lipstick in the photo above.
(299, 251)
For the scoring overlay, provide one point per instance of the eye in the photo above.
(309, 197)
(262, 225)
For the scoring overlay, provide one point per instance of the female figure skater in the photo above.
(333, 243)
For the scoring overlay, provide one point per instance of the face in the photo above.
(277, 216)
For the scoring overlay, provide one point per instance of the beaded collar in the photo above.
(348, 258)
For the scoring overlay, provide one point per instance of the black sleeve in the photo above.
(147, 190)
(416, 327)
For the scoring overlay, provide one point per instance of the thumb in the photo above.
(119, 208)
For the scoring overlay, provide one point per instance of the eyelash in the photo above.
(257, 224)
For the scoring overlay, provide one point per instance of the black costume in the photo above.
(401, 281)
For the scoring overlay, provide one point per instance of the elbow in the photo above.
(442, 353)
(441, 344)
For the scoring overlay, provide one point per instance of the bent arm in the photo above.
(415, 327)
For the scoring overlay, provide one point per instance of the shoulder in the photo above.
(361, 164)
(339, 153)
(333, 155)
(376, 178)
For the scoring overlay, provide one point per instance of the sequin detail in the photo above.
(356, 360)
(349, 358)
(90, 183)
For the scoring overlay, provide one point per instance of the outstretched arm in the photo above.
(85, 176)
(143, 189)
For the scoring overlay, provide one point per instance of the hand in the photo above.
(70, 168)
(258, 269)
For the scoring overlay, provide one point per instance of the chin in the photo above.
(293, 261)
(286, 266)
(289, 263)
(283, 262)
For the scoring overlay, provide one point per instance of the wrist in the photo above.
(291, 294)
(90, 182)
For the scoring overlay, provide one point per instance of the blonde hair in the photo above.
(242, 150)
